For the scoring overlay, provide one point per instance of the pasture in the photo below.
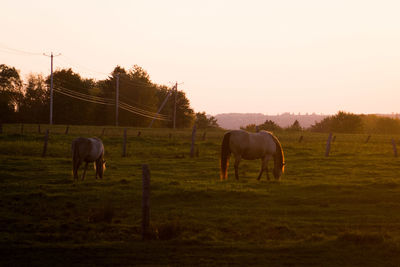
(325, 211)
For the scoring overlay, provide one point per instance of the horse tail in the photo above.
(225, 154)
(279, 153)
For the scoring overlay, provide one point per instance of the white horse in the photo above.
(88, 150)
(244, 145)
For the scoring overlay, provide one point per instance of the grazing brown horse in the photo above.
(244, 145)
(88, 150)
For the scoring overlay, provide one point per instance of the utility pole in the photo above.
(51, 85)
(162, 105)
(116, 100)
(176, 93)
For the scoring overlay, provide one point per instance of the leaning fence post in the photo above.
(67, 129)
(369, 137)
(300, 139)
(145, 201)
(124, 147)
(193, 140)
(46, 139)
(394, 148)
(328, 145)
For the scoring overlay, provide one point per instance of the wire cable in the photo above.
(97, 98)
(81, 98)
(18, 51)
(68, 61)
(107, 101)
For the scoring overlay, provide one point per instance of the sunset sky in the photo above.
(230, 56)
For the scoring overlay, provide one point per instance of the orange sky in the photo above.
(232, 56)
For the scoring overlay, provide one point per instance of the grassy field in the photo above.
(325, 211)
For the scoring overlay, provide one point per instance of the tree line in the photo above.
(342, 122)
(29, 102)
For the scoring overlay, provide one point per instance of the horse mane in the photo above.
(279, 151)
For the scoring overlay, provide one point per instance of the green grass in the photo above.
(340, 210)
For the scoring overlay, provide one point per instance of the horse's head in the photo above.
(100, 167)
(104, 165)
(278, 170)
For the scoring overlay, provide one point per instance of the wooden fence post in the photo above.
(145, 201)
(394, 147)
(328, 145)
(204, 136)
(38, 128)
(334, 139)
(67, 129)
(193, 141)
(369, 137)
(300, 139)
(124, 147)
(139, 133)
(46, 139)
(22, 129)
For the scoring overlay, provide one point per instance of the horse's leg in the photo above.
(261, 171)
(265, 166)
(76, 165)
(84, 171)
(237, 161)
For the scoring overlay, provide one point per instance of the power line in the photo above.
(68, 61)
(108, 101)
(97, 98)
(65, 83)
(147, 116)
(80, 98)
(130, 101)
(18, 51)
(68, 83)
(94, 99)
(123, 105)
(131, 83)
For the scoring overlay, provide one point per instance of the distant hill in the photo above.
(236, 120)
